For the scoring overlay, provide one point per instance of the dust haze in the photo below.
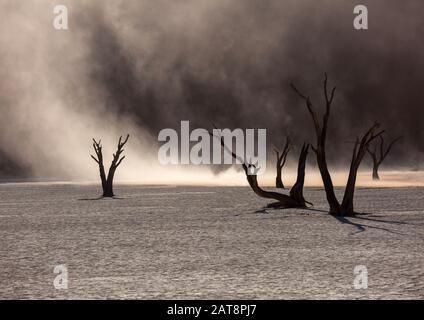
(140, 66)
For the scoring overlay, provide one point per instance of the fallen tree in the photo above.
(107, 182)
(281, 161)
(345, 208)
(379, 156)
(294, 200)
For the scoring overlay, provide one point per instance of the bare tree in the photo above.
(107, 182)
(379, 156)
(294, 200)
(359, 150)
(281, 161)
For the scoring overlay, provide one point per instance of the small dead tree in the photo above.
(281, 161)
(294, 200)
(107, 182)
(379, 156)
(359, 150)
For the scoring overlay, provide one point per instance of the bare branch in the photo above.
(121, 144)
(119, 162)
(310, 109)
(94, 159)
(298, 92)
(325, 87)
(381, 147)
(390, 148)
(235, 156)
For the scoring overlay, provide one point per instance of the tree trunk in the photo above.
(327, 181)
(296, 191)
(375, 175)
(346, 208)
(358, 154)
(295, 199)
(278, 180)
(281, 161)
(102, 176)
(284, 201)
(108, 191)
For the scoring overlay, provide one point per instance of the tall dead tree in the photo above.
(107, 182)
(359, 150)
(281, 161)
(379, 154)
(294, 200)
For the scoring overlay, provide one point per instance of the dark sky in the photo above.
(226, 62)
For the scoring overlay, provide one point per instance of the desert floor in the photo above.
(206, 242)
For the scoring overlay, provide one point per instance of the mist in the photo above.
(140, 66)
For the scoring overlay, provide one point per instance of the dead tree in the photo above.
(281, 161)
(294, 200)
(379, 156)
(107, 182)
(359, 150)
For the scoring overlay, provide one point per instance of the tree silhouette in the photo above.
(359, 150)
(107, 182)
(379, 156)
(294, 200)
(281, 161)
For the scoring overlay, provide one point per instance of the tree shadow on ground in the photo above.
(101, 198)
(274, 206)
(353, 221)
(361, 227)
(387, 221)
